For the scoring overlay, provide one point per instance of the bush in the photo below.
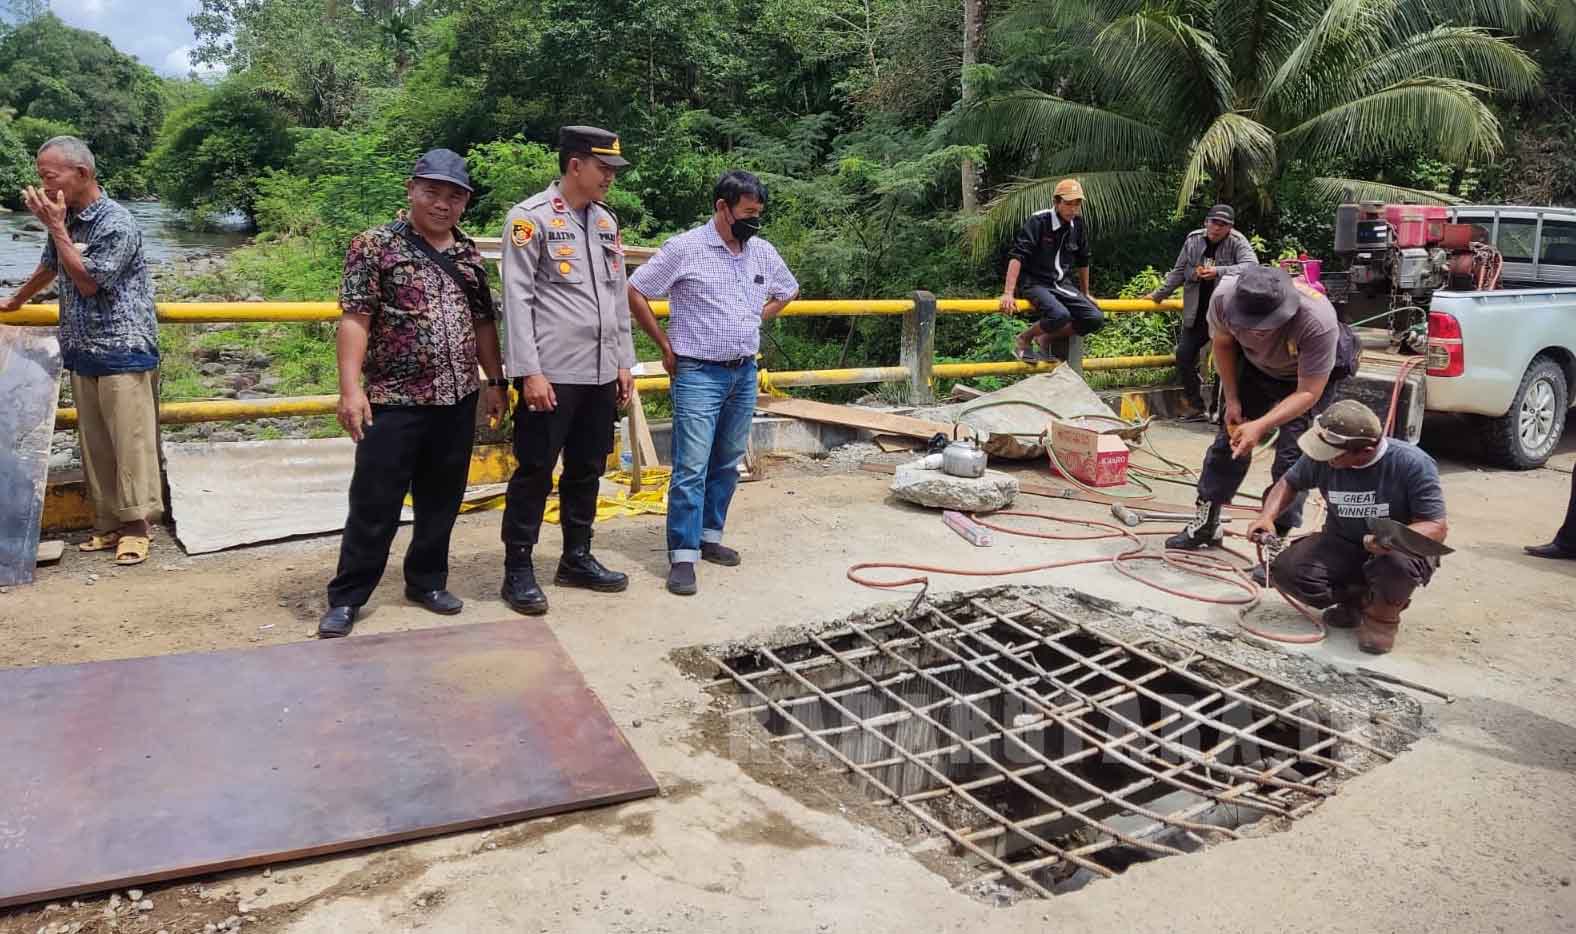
(212, 152)
(507, 171)
(16, 167)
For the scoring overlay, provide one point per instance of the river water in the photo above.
(163, 239)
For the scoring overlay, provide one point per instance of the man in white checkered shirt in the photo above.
(723, 282)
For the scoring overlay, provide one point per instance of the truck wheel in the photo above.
(1523, 438)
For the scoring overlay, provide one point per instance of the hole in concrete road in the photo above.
(1034, 740)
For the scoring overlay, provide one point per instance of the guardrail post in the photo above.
(1070, 350)
(919, 348)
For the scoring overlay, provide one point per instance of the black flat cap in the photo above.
(443, 165)
(598, 142)
(1222, 213)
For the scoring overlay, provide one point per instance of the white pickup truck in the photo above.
(1508, 358)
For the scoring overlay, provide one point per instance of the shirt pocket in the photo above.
(566, 262)
(611, 263)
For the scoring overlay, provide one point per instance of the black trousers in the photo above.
(1223, 474)
(1566, 536)
(1190, 346)
(424, 450)
(581, 429)
(1057, 308)
(1323, 569)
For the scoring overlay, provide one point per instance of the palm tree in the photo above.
(1224, 94)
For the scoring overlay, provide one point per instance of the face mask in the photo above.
(743, 228)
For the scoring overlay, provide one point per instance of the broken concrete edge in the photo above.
(1358, 701)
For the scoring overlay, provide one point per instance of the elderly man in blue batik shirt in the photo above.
(723, 282)
(108, 339)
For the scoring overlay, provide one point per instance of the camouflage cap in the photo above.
(1348, 425)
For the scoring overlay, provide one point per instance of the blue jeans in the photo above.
(712, 409)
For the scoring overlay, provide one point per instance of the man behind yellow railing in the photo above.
(108, 339)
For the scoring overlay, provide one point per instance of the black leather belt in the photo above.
(733, 364)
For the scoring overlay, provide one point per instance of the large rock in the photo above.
(939, 490)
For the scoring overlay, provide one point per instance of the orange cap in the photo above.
(1068, 189)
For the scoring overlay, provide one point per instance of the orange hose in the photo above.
(1202, 565)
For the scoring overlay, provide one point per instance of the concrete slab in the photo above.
(1467, 832)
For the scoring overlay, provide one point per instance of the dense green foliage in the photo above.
(212, 151)
(54, 78)
(854, 112)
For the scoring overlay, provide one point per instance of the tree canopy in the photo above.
(69, 78)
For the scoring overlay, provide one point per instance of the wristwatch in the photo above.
(498, 383)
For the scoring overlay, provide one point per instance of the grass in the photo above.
(302, 356)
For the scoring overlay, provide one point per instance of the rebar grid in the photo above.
(1029, 814)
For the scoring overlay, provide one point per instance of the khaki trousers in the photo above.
(117, 421)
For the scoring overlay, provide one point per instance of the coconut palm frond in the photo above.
(1343, 189)
(1340, 30)
(1027, 121)
(1161, 60)
(1444, 114)
(1232, 140)
(1462, 52)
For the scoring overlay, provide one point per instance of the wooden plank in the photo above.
(892, 444)
(134, 771)
(856, 417)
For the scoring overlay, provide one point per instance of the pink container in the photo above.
(1416, 224)
(1306, 270)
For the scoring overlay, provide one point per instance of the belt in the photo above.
(733, 364)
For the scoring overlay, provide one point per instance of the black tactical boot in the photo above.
(520, 589)
(1203, 531)
(578, 569)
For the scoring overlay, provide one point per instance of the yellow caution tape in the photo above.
(652, 500)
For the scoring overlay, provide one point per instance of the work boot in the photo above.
(1376, 633)
(719, 554)
(1342, 616)
(577, 568)
(681, 578)
(1192, 410)
(1203, 531)
(520, 589)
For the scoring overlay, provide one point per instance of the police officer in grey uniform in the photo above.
(569, 351)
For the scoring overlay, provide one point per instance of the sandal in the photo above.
(100, 542)
(132, 549)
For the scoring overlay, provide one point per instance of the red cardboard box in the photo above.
(1090, 450)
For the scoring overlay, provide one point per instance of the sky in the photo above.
(153, 31)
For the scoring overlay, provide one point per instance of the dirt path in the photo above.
(1470, 831)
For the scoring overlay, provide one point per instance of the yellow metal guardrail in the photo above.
(263, 312)
(180, 413)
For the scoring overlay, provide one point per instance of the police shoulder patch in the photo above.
(521, 232)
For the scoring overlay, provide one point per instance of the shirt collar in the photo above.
(713, 238)
(95, 209)
(1056, 221)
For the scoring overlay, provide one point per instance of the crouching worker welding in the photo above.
(1280, 351)
(1360, 578)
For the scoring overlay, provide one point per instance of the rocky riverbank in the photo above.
(223, 361)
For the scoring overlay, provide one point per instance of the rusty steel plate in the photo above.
(126, 772)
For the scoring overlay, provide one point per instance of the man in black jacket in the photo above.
(1053, 244)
